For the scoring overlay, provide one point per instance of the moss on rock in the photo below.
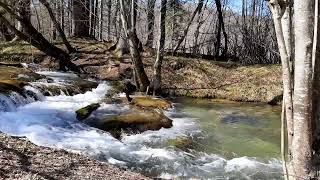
(85, 112)
(137, 121)
(181, 143)
(151, 103)
(22, 74)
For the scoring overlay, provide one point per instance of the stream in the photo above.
(209, 139)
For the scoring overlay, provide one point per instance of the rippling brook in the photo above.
(209, 139)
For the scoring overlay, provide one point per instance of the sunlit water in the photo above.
(208, 140)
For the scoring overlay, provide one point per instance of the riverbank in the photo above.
(196, 78)
(21, 159)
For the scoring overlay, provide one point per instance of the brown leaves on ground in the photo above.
(20, 159)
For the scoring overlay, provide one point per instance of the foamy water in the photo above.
(51, 122)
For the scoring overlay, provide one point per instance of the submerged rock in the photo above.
(85, 112)
(182, 143)
(151, 103)
(132, 122)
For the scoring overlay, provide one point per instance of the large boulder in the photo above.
(132, 122)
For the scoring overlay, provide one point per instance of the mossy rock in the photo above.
(22, 74)
(85, 112)
(151, 103)
(7, 86)
(182, 143)
(132, 122)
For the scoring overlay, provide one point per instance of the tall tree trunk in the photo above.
(281, 22)
(94, 17)
(316, 82)
(160, 50)
(62, 15)
(109, 5)
(302, 101)
(130, 34)
(37, 16)
(101, 20)
(23, 7)
(81, 16)
(53, 29)
(221, 28)
(150, 20)
(199, 7)
(58, 27)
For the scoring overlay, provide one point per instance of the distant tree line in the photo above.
(201, 28)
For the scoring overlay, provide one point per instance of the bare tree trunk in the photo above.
(37, 16)
(62, 15)
(220, 28)
(101, 21)
(57, 26)
(277, 12)
(95, 18)
(81, 14)
(150, 20)
(199, 7)
(302, 101)
(23, 7)
(160, 50)
(130, 35)
(196, 48)
(53, 28)
(316, 84)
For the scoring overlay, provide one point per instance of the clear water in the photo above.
(208, 140)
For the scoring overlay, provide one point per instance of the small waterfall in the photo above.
(6, 103)
(33, 93)
(18, 99)
(10, 102)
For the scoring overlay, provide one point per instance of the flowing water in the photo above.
(208, 140)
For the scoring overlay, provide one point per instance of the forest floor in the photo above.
(20, 159)
(181, 76)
